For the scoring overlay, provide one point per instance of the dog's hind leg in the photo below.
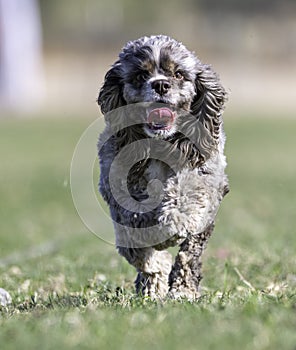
(153, 270)
(185, 277)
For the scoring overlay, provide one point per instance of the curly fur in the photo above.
(188, 160)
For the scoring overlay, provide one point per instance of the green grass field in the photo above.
(71, 290)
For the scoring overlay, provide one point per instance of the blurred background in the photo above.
(53, 54)
(53, 57)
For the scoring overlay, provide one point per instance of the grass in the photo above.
(70, 290)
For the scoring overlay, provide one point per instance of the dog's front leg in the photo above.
(185, 276)
(153, 270)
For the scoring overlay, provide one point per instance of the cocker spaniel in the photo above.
(162, 162)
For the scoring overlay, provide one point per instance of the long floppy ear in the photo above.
(111, 93)
(209, 101)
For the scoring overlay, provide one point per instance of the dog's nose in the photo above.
(161, 86)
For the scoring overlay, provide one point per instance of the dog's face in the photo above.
(166, 78)
(160, 72)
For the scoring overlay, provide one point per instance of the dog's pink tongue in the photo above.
(160, 115)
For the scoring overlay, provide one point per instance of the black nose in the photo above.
(161, 86)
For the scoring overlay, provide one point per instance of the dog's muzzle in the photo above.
(161, 86)
(161, 118)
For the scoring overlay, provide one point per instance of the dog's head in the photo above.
(168, 80)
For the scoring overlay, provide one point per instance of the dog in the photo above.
(162, 162)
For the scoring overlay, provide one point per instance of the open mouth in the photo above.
(160, 118)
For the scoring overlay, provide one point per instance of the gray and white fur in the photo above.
(170, 123)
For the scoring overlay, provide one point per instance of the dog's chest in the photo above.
(157, 170)
(140, 182)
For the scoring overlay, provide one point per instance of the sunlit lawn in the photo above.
(71, 290)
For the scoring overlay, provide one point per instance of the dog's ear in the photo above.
(208, 103)
(111, 93)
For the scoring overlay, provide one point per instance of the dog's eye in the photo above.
(179, 75)
(141, 77)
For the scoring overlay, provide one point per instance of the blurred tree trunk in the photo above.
(21, 78)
